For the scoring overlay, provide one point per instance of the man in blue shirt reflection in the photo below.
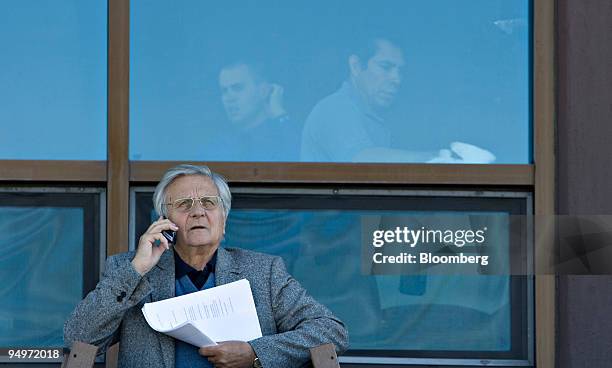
(348, 125)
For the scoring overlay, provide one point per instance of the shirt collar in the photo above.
(182, 268)
(349, 88)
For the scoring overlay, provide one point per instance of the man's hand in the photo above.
(229, 354)
(148, 254)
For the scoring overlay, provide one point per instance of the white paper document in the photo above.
(222, 313)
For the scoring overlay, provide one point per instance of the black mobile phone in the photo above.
(170, 236)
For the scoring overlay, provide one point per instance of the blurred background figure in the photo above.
(260, 129)
(350, 126)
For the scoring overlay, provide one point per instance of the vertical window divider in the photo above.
(118, 126)
(544, 156)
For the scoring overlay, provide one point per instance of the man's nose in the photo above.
(395, 76)
(228, 97)
(198, 209)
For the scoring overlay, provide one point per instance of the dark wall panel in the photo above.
(584, 170)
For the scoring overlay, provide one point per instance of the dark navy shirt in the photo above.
(181, 268)
(189, 280)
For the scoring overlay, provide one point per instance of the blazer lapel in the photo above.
(226, 269)
(161, 279)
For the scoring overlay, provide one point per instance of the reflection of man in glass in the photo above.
(377, 78)
(260, 128)
(348, 125)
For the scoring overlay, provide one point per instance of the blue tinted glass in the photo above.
(401, 312)
(41, 265)
(53, 80)
(440, 81)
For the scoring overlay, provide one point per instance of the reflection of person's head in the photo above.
(244, 93)
(376, 72)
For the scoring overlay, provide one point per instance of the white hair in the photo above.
(159, 196)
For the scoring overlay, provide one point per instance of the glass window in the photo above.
(50, 256)
(53, 80)
(408, 316)
(440, 81)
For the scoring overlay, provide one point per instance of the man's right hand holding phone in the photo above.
(151, 245)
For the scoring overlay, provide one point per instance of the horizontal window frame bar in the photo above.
(53, 170)
(349, 173)
(273, 172)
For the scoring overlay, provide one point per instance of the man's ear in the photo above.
(354, 65)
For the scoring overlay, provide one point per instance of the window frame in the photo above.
(93, 259)
(517, 285)
(118, 174)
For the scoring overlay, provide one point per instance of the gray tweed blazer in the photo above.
(291, 320)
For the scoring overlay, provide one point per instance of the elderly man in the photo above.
(195, 202)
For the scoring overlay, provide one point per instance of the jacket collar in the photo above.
(166, 261)
(162, 277)
(226, 269)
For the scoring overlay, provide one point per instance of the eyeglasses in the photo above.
(186, 204)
